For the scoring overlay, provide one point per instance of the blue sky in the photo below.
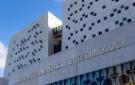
(16, 14)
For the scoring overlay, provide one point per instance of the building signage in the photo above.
(75, 60)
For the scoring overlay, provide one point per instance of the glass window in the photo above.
(67, 82)
(78, 82)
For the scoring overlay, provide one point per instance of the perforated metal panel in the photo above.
(87, 19)
(26, 47)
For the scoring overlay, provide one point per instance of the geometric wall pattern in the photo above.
(123, 74)
(29, 48)
(25, 48)
(86, 19)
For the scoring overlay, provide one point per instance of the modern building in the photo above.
(86, 19)
(3, 81)
(32, 46)
(94, 46)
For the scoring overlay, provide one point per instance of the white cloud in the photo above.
(3, 55)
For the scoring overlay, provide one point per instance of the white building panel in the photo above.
(29, 47)
(92, 18)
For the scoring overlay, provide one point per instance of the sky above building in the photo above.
(16, 14)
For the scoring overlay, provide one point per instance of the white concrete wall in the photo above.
(3, 81)
(35, 33)
(70, 27)
(117, 56)
(32, 43)
(53, 21)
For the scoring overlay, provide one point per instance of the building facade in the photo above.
(30, 47)
(108, 56)
(3, 81)
(87, 19)
(94, 46)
